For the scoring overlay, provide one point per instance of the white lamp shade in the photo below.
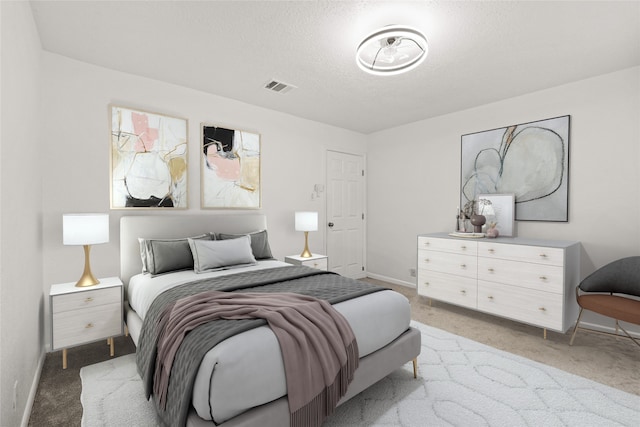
(306, 221)
(85, 229)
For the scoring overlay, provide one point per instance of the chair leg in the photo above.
(575, 329)
(627, 333)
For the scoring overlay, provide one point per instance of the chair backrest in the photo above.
(620, 277)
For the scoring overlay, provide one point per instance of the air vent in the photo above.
(279, 87)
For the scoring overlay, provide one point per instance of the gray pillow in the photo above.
(259, 243)
(620, 277)
(167, 255)
(211, 255)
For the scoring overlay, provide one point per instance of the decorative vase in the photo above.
(478, 221)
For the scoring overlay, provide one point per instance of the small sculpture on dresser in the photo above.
(492, 230)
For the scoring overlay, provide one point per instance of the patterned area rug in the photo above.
(460, 383)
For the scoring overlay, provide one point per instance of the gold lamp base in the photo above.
(306, 253)
(87, 278)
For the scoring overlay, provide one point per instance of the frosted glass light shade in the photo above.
(391, 50)
(306, 221)
(85, 229)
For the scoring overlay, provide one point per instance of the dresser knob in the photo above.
(89, 325)
(88, 299)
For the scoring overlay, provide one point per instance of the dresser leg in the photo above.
(545, 333)
(415, 368)
(111, 347)
(64, 358)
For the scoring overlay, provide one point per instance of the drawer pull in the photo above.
(542, 309)
(426, 260)
(543, 255)
(463, 292)
(426, 283)
(463, 265)
(491, 270)
(89, 325)
(88, 299)
(426, 243)
(543, 278)
(490, 297)
(491, 250)
(464, 248)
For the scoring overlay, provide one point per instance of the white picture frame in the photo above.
(500, 210)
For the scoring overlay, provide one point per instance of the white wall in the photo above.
(414, 173)
(21, 296)
(76, 158)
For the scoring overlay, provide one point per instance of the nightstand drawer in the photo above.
(75, 327)
(320, 264)
(86, 299)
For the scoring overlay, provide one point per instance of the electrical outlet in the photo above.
(412, 272)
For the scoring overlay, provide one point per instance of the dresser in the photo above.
(321, 262)
(81, 315)
(527, 280)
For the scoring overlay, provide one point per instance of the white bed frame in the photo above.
(372, 368)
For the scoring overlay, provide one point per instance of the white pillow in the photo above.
(211, 255)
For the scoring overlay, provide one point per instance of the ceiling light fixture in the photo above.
(391, 50)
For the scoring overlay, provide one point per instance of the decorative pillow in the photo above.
(166, 255)
(210, 255)
(259, 243)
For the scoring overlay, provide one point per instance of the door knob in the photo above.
(330, 224)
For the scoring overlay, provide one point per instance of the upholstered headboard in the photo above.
(176, 226)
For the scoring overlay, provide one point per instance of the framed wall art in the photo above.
(498, 208)
(230, 168)
(529, 160)
(148, 160)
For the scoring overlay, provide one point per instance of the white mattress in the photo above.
(246, 370)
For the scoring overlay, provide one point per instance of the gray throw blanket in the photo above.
(298, 279)
(319, 350)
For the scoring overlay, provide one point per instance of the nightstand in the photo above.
(321, 262)
(84, 315)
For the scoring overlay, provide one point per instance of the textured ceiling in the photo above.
(479, 52)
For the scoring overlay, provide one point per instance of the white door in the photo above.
(345, 214)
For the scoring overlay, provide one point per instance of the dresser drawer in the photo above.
(544, 277)
(536, 254)
(76, 327)
(449, 288)
(448, 245)
(460, 265)
(85, 299)
(543, 309)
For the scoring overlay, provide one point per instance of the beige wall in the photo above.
(414, 173)
(21, 296)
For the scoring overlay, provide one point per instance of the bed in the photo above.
(240, 381)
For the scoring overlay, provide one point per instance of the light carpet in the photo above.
(460, 383)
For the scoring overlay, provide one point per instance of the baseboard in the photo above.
(607, 329)
(391, 280)
(32, 392)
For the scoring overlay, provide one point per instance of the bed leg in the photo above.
(415, 368)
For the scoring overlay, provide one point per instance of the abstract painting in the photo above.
(230, 168)
(529, 160)
(148, 160)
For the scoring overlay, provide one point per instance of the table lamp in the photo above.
(306, 221)
(85, 229)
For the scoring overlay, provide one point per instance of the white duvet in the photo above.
(246, 370)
